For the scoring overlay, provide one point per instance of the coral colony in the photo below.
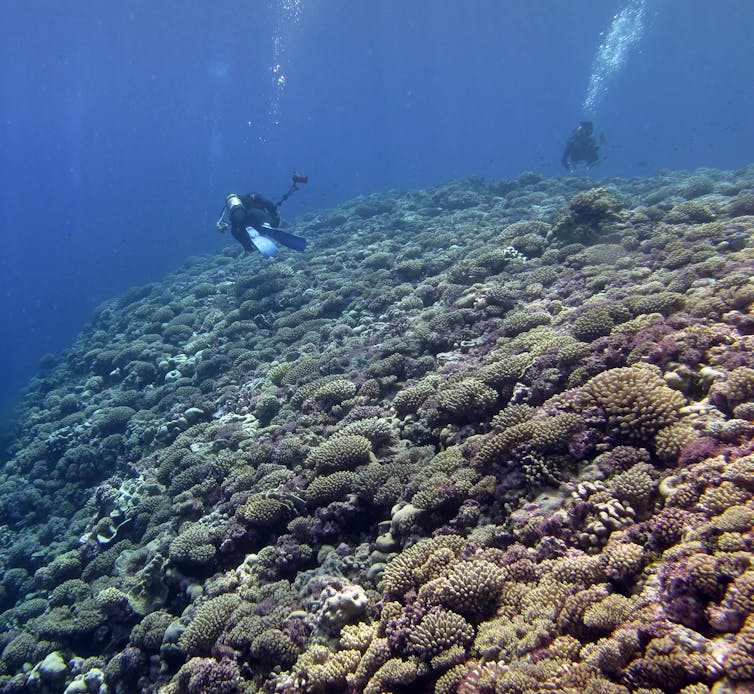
(489, 437)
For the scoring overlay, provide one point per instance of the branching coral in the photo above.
(500, 474)
(466, 400)
(207, 624)
(423, 561)
(193, 547)
(636, 402)
(471, 588)
(550, 434)
(340, 453)
(438, 631)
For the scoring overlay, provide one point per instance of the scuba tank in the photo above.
(236, 210)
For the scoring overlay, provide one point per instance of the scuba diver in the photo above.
(582, 146)
(254, 221)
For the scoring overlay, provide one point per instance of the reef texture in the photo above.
(487, 437)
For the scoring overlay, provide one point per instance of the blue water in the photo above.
(125, 124)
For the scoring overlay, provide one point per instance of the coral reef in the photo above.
(493, 436)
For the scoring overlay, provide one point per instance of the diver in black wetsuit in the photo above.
(254, 221)
(250, 210)
(582, 146)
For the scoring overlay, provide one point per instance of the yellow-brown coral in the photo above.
(340, 453)
(636, 401)
(437, 631)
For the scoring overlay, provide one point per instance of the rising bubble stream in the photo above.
(288, 16)
(626, 31)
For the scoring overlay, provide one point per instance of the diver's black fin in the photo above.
(297, 243)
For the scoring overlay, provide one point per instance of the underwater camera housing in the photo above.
(297, 178)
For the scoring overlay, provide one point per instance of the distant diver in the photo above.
(582, 146)
(254, 221)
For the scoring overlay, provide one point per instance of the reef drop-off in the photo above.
(493, 436)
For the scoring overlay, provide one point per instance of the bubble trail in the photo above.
(288, 16)
(626, 30)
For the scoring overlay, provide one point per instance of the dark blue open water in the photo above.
(123, 125)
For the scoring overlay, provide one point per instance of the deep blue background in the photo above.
(123, 125)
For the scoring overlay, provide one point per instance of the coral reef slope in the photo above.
(493, 436)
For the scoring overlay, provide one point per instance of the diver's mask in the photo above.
(236, 209)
